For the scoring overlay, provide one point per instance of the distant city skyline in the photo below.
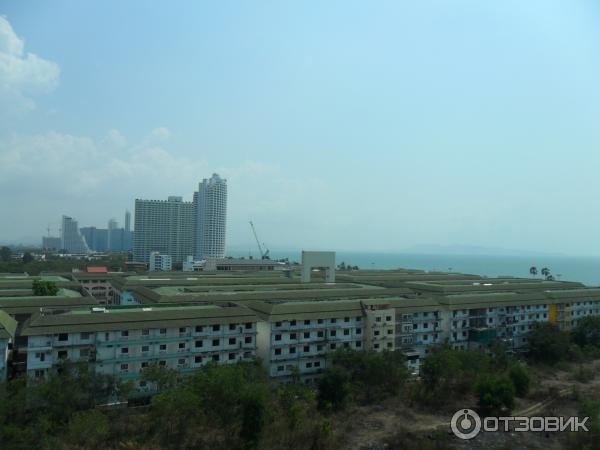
(338, 125)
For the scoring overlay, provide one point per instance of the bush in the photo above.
(520, 378)
(495, 392)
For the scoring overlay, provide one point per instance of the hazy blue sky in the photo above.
(347, 125)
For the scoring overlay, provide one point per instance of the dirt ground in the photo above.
(394, 425)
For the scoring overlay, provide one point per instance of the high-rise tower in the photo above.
(210, 209)
(71, 239)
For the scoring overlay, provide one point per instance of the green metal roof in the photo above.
(136, 318)
(8, 326)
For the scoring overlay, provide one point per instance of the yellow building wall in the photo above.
(552, 313)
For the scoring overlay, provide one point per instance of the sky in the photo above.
(366, 126)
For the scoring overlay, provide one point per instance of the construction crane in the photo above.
(265, 254)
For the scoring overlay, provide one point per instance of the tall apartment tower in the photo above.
(127, 221)
(71, 239)
(210, 205)
(163, 226)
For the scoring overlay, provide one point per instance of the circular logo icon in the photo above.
(465, 424)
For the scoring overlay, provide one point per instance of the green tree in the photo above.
(27, 258)
(547, 343)
(333, 389)
(372, 375)
(533, 271)
(587, 332)
(44, 288)
(5, 254)
(495, 392)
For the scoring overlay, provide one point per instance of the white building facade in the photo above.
(210, 204)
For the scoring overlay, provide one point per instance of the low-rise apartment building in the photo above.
(122, 341)
(8, 328)
(294, 338)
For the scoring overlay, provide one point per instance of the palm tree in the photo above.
(545, 271)
(533, 270)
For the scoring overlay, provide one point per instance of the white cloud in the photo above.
(22, 74)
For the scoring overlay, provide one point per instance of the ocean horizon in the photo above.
(565, 268)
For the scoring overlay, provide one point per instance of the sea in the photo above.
(565, 268)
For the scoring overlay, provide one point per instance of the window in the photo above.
(216, 327)
(292, 335)
(346, 332)
(198, 344)
(279, 368)
(346, 319)
(144, 364)
(388, 318)
(332, 333)
(142, 384)
(145, 348)
(292, 350)
(163, 331)
(277, 337)
(320, 334)
(232, 341)
(232, 326)
(215, 358)
(376, 346)
(317, 363)
(377, 319)
(41, 356)
(199, 328)
(319, 320)
(389, 344)
(293, 323)
(425, 325)
(358, 318)
(332, 346)
(215, 342)
(308, 365)
(278, 351)
(333, 320)
(248, 325)
(319, 348)
(306, 349)
(124, 333)
(124, 367)
(198, 359)
(181, 345)
(145, 332)
(231, 356)
(390, 331)
(307, 322)
(358, 344)
(359, 331)
(248, 340)
(278, 324)
(162, 363)
(306, 335)
(182, 329)
(163, 347)
(63, 337)
(376, 332)
(181, 362)
(85, 336)
(39, 373)
(124, 350)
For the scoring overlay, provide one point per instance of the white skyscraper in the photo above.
(210, 204)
